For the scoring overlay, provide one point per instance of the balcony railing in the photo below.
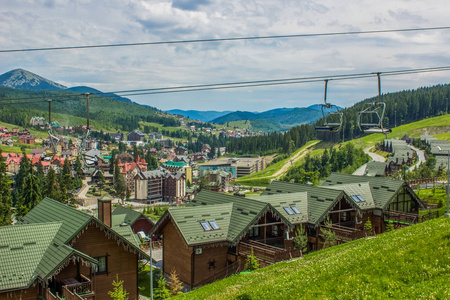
(83, 287)
(344, 234)
(263, 251)
(404, 218)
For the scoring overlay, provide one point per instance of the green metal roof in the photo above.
(49, 210)
(188, 221)
(73, 221)
(129, 215)
(375, 168)
(29, 252)
(320, 200)
(104, 198)
(280, 201)
(383, 189)
(245, 211)
(234, 216)
(362, 189)
(177, 164)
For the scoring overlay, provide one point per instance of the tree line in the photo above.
(342, 159)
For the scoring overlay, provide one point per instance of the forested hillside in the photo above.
(401, 108)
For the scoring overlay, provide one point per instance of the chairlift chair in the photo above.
(332, 119)
(374, 109)
(54, 140)
(91, 161)
(375, 126)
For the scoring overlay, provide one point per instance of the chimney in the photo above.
(104, 210)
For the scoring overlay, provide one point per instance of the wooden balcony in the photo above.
(344, 234)
(404, 218)
(262, 251)
(81, 288)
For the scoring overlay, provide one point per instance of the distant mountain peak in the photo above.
(26, 80)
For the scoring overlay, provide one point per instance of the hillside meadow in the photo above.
(408, 263)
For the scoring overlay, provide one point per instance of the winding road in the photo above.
(374, 156)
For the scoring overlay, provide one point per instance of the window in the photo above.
(214, 225)
(288, 210)
(206, 226)
(360, 198)
(102, 267)
(274, 230)
(295, 209)
(355, 198)
(254, 232)
(212, 264)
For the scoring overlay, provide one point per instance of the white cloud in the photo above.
(29, 24)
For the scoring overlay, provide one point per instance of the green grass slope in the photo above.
(409, 263)
(437, 126)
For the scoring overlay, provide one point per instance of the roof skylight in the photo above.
(206, 226)
(288, 210)
(214, 225)
(295, 209)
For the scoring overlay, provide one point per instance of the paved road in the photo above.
(291, 162)
(374, 156)
(420, 155)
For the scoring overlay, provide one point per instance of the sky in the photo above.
(57, 23)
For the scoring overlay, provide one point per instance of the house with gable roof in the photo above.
(212, 237)
(138, 221)
(58, 251)
(393, 200)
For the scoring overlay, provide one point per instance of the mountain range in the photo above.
(272, 120)
(26, 80)
(204, 116)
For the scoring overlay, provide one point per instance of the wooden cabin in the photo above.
(212, 237)
(59, 251)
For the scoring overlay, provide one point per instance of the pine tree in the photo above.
(161, 291)
(301, 239)
(175, 284)
(368, 228)
(24, 170)
(118, 292)
(50, 184)
(252, 262)
(40, 175)
(101, 180)
(5, 194)
(329, 235)
(30, 194)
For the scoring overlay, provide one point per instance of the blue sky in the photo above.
(52, 23)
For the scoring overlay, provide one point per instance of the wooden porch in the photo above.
(72, 289)
(404, 218)
(264, 252)
(344, 234)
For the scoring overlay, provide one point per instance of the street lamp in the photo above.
(151, 265)
(447, 214)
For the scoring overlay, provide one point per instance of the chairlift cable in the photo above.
(228, 39)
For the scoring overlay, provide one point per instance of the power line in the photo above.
(241, 84)
(229, 39)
